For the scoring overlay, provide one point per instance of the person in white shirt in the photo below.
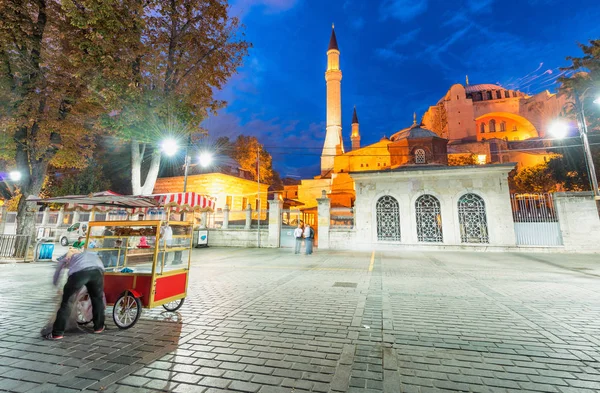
(298, 235)
(309, 235)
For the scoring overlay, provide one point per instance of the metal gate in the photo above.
(289, 222)
(536, 221)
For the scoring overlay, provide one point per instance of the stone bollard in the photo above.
(225, 217)
(248, 217)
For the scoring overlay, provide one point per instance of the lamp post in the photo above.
(560, 130)
(258, 194)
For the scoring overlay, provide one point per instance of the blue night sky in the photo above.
(397, 57)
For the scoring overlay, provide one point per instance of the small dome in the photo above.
(414, 132)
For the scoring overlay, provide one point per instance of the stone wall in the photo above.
(237, 237)
(579, 222)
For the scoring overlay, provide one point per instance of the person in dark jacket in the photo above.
(85, 268)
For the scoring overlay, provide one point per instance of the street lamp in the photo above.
(560, 130)
(205, 158)
(15, 176)
(169, 146)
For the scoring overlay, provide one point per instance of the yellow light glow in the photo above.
(481, 159)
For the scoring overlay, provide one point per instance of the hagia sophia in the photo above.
(470, 124)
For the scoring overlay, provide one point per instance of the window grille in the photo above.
(472, 219)
(482, 128)
(420, 156)
(429, 219)
(388, 219)
(492, 125)
(503, 126)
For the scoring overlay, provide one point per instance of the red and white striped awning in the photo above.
(185, 201)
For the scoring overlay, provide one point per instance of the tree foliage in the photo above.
(80, 182)
(50, 89)
(246, 150)
(583, 80)
(181, 51)
(535, 179)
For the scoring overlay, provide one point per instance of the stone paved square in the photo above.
(265, 320)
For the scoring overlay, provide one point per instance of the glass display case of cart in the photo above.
(153, 247)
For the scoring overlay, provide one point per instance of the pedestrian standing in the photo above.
(85, 268)
(309, 235)
(298, 232)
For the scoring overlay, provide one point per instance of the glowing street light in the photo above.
(15, 176)
(205, 159)
(559, 129)
(169, 146)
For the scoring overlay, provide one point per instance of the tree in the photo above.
(462, 160)
(51, 84)
(185, 50)
(535, 179)
(80, 182)
(584, 77)
(245, 150)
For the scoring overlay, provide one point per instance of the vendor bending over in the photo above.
(85, 268)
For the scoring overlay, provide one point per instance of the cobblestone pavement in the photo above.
(269, 321)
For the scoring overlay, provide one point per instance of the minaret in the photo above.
(334, 144)
(355, 136)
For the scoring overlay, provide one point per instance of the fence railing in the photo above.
(14, 246)
(536, 221)
(341, 217)
(533, 208)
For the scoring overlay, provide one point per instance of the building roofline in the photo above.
(429, 168)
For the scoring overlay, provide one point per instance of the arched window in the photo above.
(498, 94)
(482, 128)
(420, 156)
(488, 95)
(492, 125)
(472, 219)
(388, 219)
(506, 94)
(429, 219)
(502, 125)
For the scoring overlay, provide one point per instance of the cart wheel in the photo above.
(127, 310)
(174, 305)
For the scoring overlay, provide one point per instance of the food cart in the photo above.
(147, 265)
(147, 262)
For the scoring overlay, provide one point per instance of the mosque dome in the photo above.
(414, 132)
(482, 87)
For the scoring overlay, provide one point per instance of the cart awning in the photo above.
(182, 201)
(106, 200)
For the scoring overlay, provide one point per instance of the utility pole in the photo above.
(258, 193)
(186, 163)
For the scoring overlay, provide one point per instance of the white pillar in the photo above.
(324, 213)
(61, 216)
(248, 216)
(3, 214)
(225, 217)
(45, 216)
(204, 219)
(75, 216)
(275, 219)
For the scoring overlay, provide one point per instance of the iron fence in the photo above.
(342, 217)
(536, 220)
(14, 246)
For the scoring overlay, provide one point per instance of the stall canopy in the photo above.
(185, 201)
(105, 200)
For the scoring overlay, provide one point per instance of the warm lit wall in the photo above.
(524, 159)
(517, 128)
(217, 185)
(368, 158)
(459, 112)
(311, 189)
(290, 192)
